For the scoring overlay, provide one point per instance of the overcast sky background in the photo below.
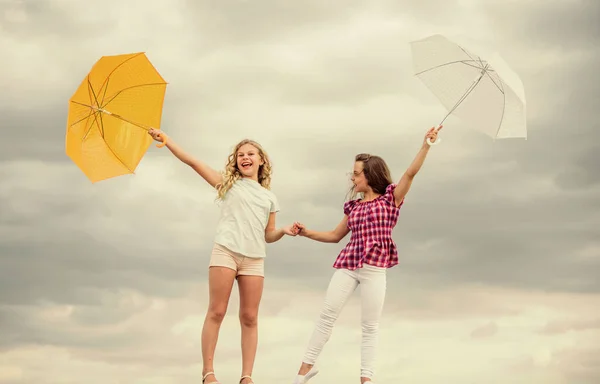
(499, 241)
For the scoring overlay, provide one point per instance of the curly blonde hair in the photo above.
(232, 173)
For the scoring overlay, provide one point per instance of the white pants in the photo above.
(372, 282)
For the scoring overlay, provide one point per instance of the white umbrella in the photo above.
(484, 93)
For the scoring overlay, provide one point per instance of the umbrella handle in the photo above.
(164, 138)
(437, 141)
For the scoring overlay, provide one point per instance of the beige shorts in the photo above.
(243, 265)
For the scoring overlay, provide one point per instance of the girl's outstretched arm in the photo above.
(334, 236)
(406, 180)
(211, 176)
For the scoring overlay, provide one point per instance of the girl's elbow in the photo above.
(269, 235)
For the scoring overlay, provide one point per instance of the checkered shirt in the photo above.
(371, 224)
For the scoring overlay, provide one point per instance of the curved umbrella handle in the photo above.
(436, 142)
(164, 138)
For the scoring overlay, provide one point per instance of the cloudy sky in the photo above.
(499, 241)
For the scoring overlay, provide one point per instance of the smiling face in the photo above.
(249, 161)
(361, 184)
(370, 174)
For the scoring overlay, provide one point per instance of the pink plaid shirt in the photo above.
(371, 224)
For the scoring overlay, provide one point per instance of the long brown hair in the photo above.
(232, 173)
(376, 172)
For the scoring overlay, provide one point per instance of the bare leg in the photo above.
(220, 282)
(251, 289)
(304, 368)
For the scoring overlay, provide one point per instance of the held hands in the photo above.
(292, 230)
(289, 230)
(431, 136)
(299, 228)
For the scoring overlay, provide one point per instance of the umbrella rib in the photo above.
(463, 97)
(91, 89)
(493, 81)
(105, 82)
(105, 89)
(117, 156)
(99, 110)
(99, 115)
(468, 54)
(465, 62)
(87, 132)
(96, 116)
(82, 104)
(93, 111)
(503, 109)
(474, 66)
(127, 88)
(80, 120)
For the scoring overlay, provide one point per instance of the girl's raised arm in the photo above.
(406, 181)
(211, 176)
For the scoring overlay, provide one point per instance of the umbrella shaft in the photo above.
(120, 117)
(467, 92)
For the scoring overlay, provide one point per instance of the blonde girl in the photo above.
(247, 223)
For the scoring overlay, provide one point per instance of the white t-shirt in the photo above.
(245, 213)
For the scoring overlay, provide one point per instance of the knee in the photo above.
(249, 318)
(370, 327)
(217, 314)
(329, 314)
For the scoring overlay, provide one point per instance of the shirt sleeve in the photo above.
(274, 203)
(389, 195)
(349, 206)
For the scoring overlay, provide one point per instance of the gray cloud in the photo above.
(34, 135)
(549, 24)
(30, 20)
(558, 327)
(485, 331)
(241, 22)
(316, 83)
(579, 365)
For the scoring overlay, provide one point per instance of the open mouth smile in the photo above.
(246, 164)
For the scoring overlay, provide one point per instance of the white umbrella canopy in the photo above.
(485, 93)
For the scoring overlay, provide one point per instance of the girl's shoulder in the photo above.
(350, 205)
(268, 192)
(389, 198)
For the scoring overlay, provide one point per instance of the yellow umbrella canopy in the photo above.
(110, 114)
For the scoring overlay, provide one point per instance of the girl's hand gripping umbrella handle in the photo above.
(437, 139)
(164, 138)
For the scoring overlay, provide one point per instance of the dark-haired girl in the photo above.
(366, 257)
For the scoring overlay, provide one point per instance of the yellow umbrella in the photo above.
(110, 114)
